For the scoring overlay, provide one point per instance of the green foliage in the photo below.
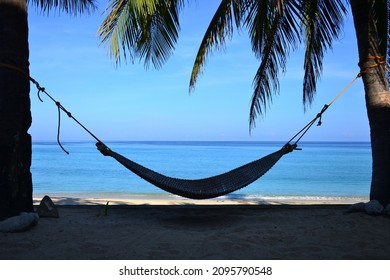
(322, 22)
(73, 7)
(149, 30)
(220, 27)
(142, 29)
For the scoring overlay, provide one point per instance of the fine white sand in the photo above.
(115, 199)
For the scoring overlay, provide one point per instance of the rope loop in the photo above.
(40, 89)
(57, 103)
(379, 61)
(319, 115)
(59, 107)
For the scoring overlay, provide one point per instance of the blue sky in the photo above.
(131, 103)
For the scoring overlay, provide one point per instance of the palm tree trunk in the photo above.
(377, 99)
(15, 115)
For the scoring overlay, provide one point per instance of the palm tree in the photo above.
(371, 25)
(149, 29)
(15, 115)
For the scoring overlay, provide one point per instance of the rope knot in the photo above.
(40, 89)
(379, 60)
(288, 148)
(103, 148)
(319, 115)
(57, 103)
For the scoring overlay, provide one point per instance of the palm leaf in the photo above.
(266, 79)
(73, 7)
(220, 27)
(159, 33)
(274, 34)
(322, 23)
(119, 28)
(142, 28)
(258, 25)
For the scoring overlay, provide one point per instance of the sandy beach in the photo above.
(184, 229)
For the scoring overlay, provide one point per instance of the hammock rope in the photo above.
(57, 103)
(210, 187)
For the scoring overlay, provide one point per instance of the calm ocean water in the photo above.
(321, 169)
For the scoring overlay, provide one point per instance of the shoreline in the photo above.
(156, 199)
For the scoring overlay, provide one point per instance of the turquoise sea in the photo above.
(321, 169)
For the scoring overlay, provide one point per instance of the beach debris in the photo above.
(22, 222)
(373, 207)
(386, 211)
(357, 207)
(106, 209)
(47, 208)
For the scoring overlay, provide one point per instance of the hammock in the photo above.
(201, 188)
(207, 187)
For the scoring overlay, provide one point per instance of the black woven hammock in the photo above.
(207, 187)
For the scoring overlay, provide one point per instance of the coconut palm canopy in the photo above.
(150, 30)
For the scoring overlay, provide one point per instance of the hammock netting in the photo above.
(205, 188)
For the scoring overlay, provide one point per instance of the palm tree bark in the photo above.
(377, 98)
(15, 115)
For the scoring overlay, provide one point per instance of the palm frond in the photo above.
(258, 25)
(220, 28)
(119, 28)
(142, 28)
(73, 7)
(277, 33)
(266, 80)
(322, 23)
(159, 33)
